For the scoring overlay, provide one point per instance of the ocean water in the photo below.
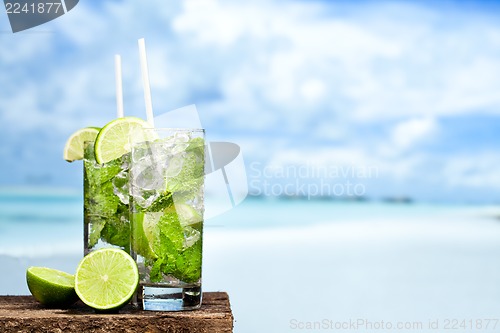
(307, 266)
(43, 222)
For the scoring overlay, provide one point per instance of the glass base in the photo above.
(168, 298)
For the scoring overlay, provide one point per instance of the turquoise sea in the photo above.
(307, 266)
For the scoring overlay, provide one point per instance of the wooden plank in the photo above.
(21, 314)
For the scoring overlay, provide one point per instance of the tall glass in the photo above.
(106, 202)
(166, 186)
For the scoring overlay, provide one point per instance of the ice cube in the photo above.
(149, 178)
(146, 179)
(120, 186)
(174, 165)
(191, 236)
(144, 198)
(181, 137)
(178, 142)
(179, 148)
(146, 150)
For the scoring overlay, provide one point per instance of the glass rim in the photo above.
(179, 129)
(171, 129)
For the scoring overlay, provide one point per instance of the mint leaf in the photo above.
(99, 173)
(173, 256)
(96, 226)
(155, 275)
(171, 234)
(188, 263)
(190, 178)
(117, 228)
(102, 202)
(164, 201)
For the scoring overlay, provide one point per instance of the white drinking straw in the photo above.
(119, 90)
(145, 82)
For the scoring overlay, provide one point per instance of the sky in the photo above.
(380, 99)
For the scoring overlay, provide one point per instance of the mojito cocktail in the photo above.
(106, 202)
(166, 179)
(106, 163)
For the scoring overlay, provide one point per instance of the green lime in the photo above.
(142, 242)
(187, 215)
(114, 139)
(73, 149)
(147, 229)
(51, 287)
(106, 279)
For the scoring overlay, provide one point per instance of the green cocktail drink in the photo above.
(166, 179)
(106, 162)
(106, 202)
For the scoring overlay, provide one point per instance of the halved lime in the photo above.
(73, 149)
(51, 287)
(106, 279)
(114, 139)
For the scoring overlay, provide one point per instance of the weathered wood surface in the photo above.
(22, 314)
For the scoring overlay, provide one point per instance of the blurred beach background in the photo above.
(369, 132)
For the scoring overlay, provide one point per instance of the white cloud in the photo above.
(409, 132)
(376, 69)
(313, 89)
(475, 170)
(472, 87)
(213, 23)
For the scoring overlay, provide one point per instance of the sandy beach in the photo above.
(379, 271)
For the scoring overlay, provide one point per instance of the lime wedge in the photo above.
(114, 139)
(142, 242)
(73, 149)
(187, 214)
(106, 279)
(51, 287)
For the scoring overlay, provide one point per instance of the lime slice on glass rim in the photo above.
(106, 279)
(73, 149)
(51, 287)
(114, 139)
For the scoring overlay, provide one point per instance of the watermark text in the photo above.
(364, 324)
(310, 181)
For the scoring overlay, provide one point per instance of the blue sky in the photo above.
(412, 88)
